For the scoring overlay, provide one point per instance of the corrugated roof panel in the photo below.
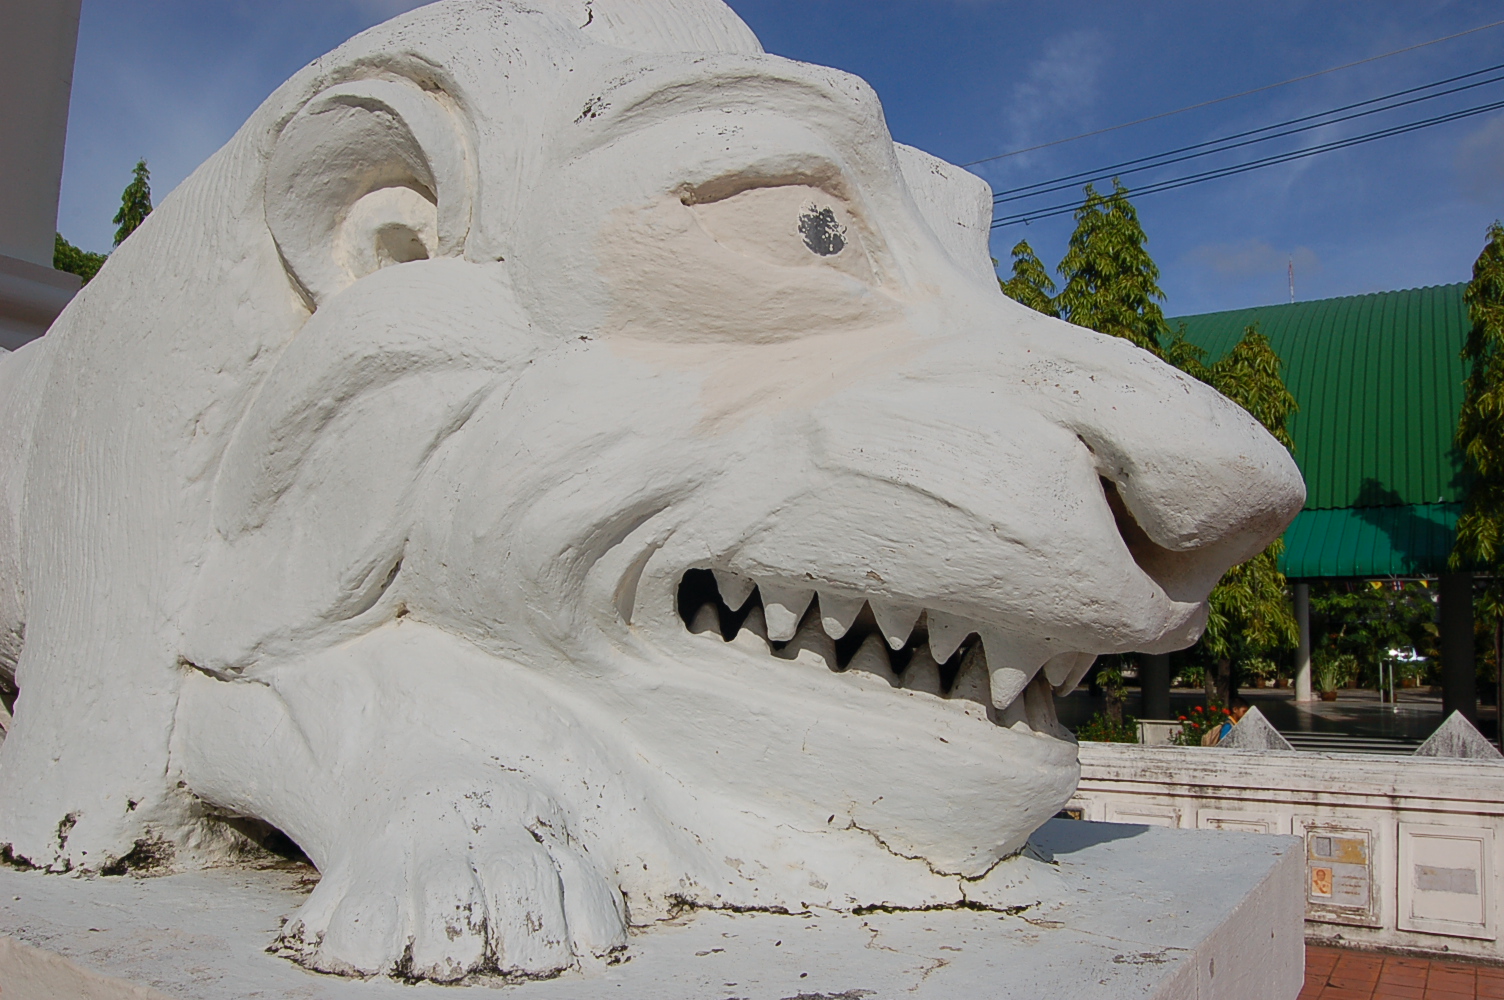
(1379, 382)
(1411, 540)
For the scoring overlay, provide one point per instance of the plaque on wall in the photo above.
(1444, 881)
(1339, 875)
(1149, 814)
(1242, 822)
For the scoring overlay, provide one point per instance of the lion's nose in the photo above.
(1196, 483)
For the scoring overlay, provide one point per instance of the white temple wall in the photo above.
(1401, 852)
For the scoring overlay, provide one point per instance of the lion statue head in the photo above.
(559, 464)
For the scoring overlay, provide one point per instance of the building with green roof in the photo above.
(1379, 381)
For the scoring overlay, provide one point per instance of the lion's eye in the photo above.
(793, 225)
(822, 233)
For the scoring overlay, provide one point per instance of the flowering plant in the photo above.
(1194, 727)
(1101, 729)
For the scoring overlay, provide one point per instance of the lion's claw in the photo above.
(504, 897)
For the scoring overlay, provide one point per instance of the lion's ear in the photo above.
(367, 174)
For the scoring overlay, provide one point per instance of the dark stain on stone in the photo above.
(822, 233)
(593, 109)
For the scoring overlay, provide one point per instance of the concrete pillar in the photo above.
(1154, 682)
(38, 39)
(1303, 648)
(1459, 678)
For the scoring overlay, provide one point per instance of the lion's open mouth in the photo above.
(918, 651)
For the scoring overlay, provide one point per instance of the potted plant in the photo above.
(1332, 672)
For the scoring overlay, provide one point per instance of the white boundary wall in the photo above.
(1401, 852)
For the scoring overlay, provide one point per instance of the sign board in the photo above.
(1242, 822)
(1339, 875)
(1444, 880)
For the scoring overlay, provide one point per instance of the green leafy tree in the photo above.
(1480, 428)
(135, 203)
(67, 257)
(1030, 284)
(1480, 435)
(1250, 613)
(1111, 284)
(1354, 623)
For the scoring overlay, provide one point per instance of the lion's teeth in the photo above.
(971, 682)
(1039, 710)
(810, 642)
(1083, 664)
(1006, 684)
(895, 621)
(707, 619)
(734, 589)
(784, 606)
(1058, 667)
(1015, 716)
(754, 632)
(872, 658)
(947, 632)
(922, 673)
(838, 611)
(1013, 663)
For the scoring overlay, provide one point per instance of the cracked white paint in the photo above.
(371, 490)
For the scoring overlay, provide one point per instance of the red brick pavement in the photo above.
(1335, 974)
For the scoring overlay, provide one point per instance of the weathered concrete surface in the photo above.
(1459, 738)
(1132, 912)
(1255, 733)
(28, 973)
(1402, 851)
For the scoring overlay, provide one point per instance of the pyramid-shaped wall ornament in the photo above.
(1458, 737)
(1254, 732)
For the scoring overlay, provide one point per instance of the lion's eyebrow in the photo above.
(806, 169)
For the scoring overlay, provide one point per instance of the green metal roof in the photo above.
(1379, 382)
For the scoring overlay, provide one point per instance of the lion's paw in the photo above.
(443, 900)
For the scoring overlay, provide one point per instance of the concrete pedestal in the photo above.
(1123, 912)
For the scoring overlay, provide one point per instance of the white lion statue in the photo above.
(559, 465)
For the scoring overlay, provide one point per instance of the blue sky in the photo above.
(171, 80)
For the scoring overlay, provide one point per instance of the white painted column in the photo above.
(37, 43)
(1303, 649)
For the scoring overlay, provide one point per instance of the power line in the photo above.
(1179, 182)
(1231, 97)
(1116, 169)
(1014, 194)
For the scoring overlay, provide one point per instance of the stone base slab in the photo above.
(1132, 912)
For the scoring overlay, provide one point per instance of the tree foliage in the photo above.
(1250, 616)
(67, 257)
(1030, 284)
(1480, 428)
(1359, 621)
(1111, 284)
(135, 203)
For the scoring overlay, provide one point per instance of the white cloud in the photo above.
(1057, 88)
(1480, 162)
(1251, 258)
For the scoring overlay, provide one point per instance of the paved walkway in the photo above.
(1334, 974)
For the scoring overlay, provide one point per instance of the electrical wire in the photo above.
(1179, 182)
(1116, 169)
(1231, 97)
